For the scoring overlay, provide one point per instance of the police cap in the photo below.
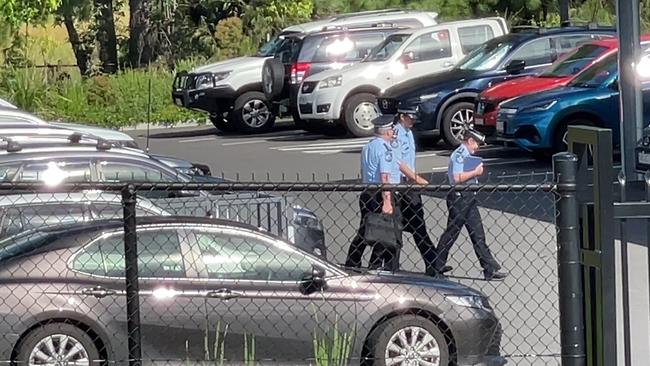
(411, 112)
(383, 122)
(477, 136)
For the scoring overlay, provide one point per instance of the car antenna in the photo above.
(148, 115)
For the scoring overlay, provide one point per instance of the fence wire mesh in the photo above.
(255, 274)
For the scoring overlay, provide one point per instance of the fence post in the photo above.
(131, 265)
(572, 333)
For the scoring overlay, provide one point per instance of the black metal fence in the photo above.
(253, 273)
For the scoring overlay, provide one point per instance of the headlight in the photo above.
(541, 107)
(508, 110)
(305, 218)
(221, 75)
(204, 81)
(470, 301)
(331, 82)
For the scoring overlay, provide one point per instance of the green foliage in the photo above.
(249, 350)
(332, 348)
(229, 36)
(18, 12)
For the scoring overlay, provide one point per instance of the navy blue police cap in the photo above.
(383, 122)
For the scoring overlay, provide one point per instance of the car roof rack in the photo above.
(365, 13)
(12, 146)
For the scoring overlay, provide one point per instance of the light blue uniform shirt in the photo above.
(456, 164)
(406, 145)
(378, 157)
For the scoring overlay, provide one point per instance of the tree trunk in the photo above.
(81, 53)
(106, 35)
(140, 53)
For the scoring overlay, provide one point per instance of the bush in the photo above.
(118, 100)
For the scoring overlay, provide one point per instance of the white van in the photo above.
(348, 96)
(231, 91)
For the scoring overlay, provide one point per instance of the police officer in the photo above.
(463, 210)
(378, 166)
(410, 203)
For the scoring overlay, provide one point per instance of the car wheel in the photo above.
(408, 340)
(360, 110)
(222, 124)
(57, 343)
(272, 78)
(457, 118)
(253, 113)
(560, 142)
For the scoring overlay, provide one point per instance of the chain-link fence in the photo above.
(261, 273)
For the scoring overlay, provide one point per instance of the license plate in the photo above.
(644, 158)
(500, 126)
(178, 102)
(478, 120)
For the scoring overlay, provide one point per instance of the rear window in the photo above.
(17, 219)
(472, 37)
(339, 47)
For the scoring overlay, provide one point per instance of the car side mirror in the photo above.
(515, 67)
(313, 282)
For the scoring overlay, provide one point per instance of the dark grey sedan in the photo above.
(225, 291)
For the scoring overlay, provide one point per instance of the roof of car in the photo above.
(340, 30)
(545, 32)
(613, 42)
(71, 198)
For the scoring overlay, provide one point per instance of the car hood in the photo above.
(105, 133)
(431, 83)
(414, 279)
(366, 70)
(172, 162)
(563, 93)
(525, 85)
(234, 64)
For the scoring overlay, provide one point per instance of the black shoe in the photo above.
(494, 276)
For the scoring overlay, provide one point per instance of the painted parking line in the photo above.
(198, 139)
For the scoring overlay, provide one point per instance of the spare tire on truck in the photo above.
(272, 78)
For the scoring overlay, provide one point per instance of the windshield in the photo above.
(23, 243)
(387, 48)
(271, 47)
(598, 74)
(486, 57)
(574, 62)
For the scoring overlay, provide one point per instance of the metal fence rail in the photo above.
(212, 275)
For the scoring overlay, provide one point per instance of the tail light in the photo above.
(298, 72)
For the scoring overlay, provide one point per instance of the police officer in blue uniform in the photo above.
(379, 165)
(411, 207)
(463, 210)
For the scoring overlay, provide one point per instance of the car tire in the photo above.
(457, 117)
(387, 335)
(559, 135)
(253, 113)
(74, 336)
(358, 113)
(222, 124)
(272, 78)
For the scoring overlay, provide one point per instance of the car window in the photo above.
(574, 62)
(102, 211)
(342, 48)
(121, 171)
(55, 172)
(474, 36)
(159, 256)
(536, 52)
(17, 219)
(8, 171)
(387, 48)
(597, 74)
(567, 43)
(430, 46)
(248, 258)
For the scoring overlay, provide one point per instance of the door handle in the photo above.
(447, 64)
(223, 294)
(98, 292)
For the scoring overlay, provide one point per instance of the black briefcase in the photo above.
(385, 229)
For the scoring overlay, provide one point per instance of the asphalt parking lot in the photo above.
(519, 227)
(290, 155)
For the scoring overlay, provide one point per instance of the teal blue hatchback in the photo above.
(538, 122)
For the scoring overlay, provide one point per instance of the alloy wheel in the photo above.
(460, 122)
(59, 350)
(412, 346)
(255, 113)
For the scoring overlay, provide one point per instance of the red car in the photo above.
(560, 73)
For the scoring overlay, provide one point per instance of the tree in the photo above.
(69, 13)
(105, 33)
(139, 25)
(17, 12)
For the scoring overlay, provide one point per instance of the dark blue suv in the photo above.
(445, 101)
